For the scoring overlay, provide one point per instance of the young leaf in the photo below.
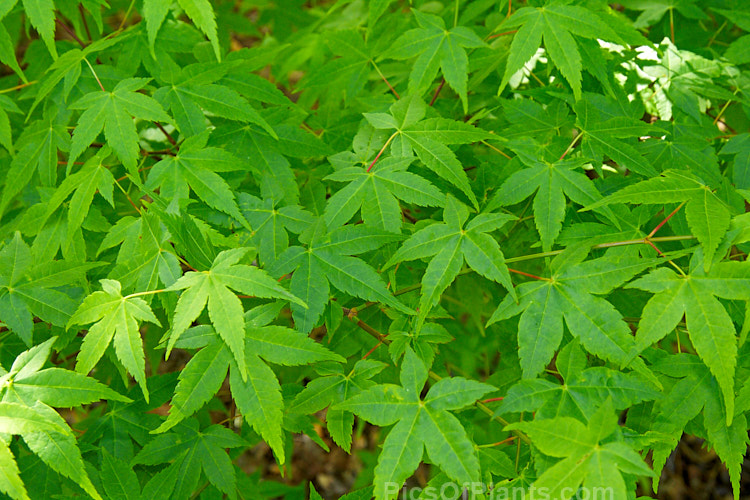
(224, 307)
(113, 316)
(437, 48)
(452, 242)
(420, 424)
(114, 111)
(710, 327)
(327, 260)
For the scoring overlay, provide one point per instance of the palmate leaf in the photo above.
(585, 459)
(333, 389)
(420, 424)
(146, 257)
(114, 316)
(437, 48)
(271, 224)
(195, 167)
(259, 396)
(707, 215)
(710, 327)
(191, 451)
(452, 242)
(327, 260)
(28, 290)
(572, 294)
(56, 387)
(114, 111)
(551, 182)
(193, 89)
(697, 391)
(376, 194)
(557, 24)
(225, 309)
(578, 397)
(428, 138)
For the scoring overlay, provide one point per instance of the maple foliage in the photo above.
(508, 240)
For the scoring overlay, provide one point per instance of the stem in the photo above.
(141, 294)
(666, 219)
(542, 255)
(127, 14)
(724, 108)
(671, 24)
(85, 23)
(455, 15)
(385, 80)
(95, 75)
(571, 145)
(437, 92)
(381, 150)
(164, 131)
(713, 37)
(493, 148)
(504, 33)
(528, 275)
(504, 441)
(127, 196)
(18, 87)
(70, 32)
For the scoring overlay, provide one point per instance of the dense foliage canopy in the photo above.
(508, 239)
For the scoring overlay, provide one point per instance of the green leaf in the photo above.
(113, 111)
(556, 24)
(114, 316)
(419, 425)
(452, 242)
(437, 48)
(224, 307)
(202, 14)
(707, 216)
(710, 327)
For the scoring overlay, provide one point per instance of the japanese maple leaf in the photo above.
(551, 181)
(556, 23)
(420, 424)
(195, 167)
(437, 48)
(707, 215)
(376, 193)
(333, 389)
(114, 316)
(28, 288)
(451, 242)
(606, 137)
(189, 451)
(583, 389)
(271, 224)
(572, 293)
(114, 111)
(697, 391)
(259, 398)
(428, 138)
(224, 307)
(192, 89)
(588, 457)
(327, 261)
(695, 296)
